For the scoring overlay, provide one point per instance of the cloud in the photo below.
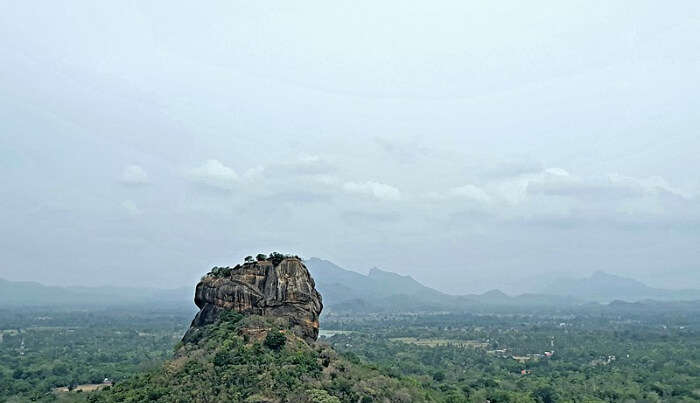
(215, 174)
(134, 175)
(511, 168)
(131, 207)
(503, 190)
(403, 150)
(614, 186)
(557, 182)
(312, 164)
(378, 190)
(328, 180)
(654, 185)
(305, 165)
(354, 216)
(300, 196)
(471, 192)
(253, 174)
(465, 192)
(554, 197)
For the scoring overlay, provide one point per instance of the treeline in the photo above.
(275, 258)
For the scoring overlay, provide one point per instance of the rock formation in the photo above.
(272, 288)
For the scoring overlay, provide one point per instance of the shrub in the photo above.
(322, 396)
(230, 316)
(276, 258)
(220, 271)
(275, 340)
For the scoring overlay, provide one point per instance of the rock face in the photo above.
(260, 288)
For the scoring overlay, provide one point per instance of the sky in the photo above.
(472, 145)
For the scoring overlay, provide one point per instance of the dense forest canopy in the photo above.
(616, 354)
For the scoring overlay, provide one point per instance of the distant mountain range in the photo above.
(378, 291)
(382, 291)
(349, 291)
(26, 293)
(604, 287)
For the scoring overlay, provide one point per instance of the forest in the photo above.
(579, 355)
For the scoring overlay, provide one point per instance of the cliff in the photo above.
(276, 288)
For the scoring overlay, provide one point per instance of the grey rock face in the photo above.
(259, 288)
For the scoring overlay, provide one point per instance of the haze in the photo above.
(470, 145)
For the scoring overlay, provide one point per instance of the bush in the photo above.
(220, 271)
(322, 396)
(276, 258)
(230, 316)
(275, 340)
(545, 395)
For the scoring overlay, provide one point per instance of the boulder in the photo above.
(284, 290)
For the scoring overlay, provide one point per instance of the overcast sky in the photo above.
(470, 144)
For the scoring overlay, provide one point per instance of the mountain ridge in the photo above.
(377, 291)
(32, 293)
(601, 286)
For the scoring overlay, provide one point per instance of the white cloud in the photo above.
(253, 174)
(214, 173)
(654, 185)
(465, 192)
(557, 172)
(558, 197)
(378, 190)
(325, 179)
(131, 207)
(133, 175)
(306, 165)
(471, 192)
(510, 168)
(615, 186)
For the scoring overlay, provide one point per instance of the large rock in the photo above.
(284, 291)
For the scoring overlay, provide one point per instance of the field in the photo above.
(88, 387)
(434, 342)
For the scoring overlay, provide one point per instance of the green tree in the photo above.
(275, 340)
(545, 394)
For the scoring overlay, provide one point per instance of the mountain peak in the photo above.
(495, 294)
(379, 288)
(601, 275)
(604, 287)
(375, 272)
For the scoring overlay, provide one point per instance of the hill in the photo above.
(253, 340)
(349, 291)
(32, 294)
(379, 291)
(237, 360)
(605, 287)
(383, 291)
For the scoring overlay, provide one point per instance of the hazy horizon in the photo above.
(471, 146)
(542, 288)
